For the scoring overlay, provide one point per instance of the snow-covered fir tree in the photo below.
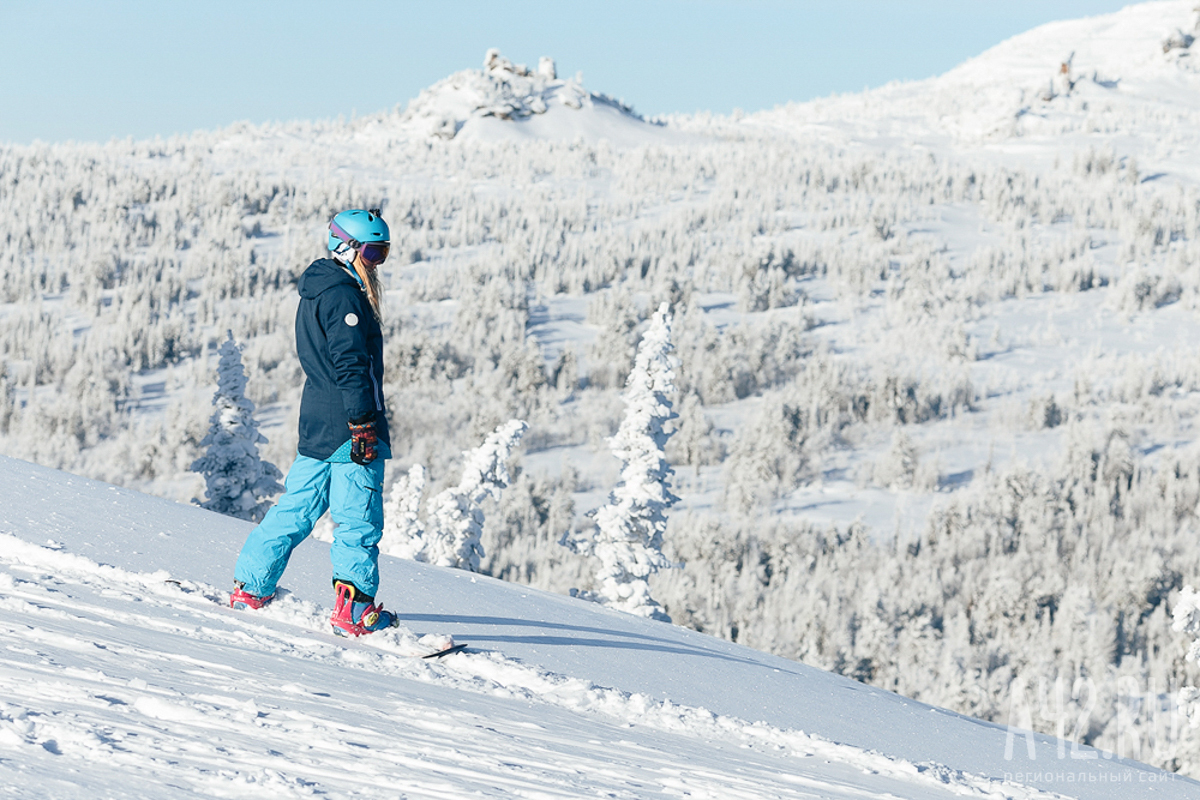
(1186, 619)
(403, 533)
(456, 515)
(239, 482)
(629, 530)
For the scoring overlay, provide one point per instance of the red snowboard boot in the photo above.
(355, 613)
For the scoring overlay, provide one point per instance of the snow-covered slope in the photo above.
(1129, 79)
(123, 675)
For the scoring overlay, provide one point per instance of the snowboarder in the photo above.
(343, 432)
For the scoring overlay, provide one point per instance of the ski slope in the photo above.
(124, 675)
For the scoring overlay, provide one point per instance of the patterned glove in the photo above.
(363, 440)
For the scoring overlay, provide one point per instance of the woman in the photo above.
(343, 432)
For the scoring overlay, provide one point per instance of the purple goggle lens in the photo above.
(374, 252)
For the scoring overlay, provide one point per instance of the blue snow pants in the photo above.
(354, 496)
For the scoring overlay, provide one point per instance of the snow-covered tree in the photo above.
(403, 533)
(239, 483)
(1186, 619)
(7, 398)
(456, 516)
(629, 529)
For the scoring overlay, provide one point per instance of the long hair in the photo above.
(370, 281)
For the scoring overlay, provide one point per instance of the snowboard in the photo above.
(222, 599)
(454, 648)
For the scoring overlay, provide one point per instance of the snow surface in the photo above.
(123, 674)
(1011, 100)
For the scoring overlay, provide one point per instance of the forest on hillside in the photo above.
(826, 314)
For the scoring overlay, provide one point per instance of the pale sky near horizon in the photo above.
(91, 71)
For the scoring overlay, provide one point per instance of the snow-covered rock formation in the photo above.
(474, 102)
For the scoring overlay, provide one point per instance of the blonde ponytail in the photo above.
(370, 282)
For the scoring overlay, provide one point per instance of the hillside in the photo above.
(938, 389)
(1128, 81)
(125, 676)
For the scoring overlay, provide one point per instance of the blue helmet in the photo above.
(359, 231)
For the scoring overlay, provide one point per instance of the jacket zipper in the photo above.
(375, 384)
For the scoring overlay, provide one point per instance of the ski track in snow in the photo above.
(111, 679)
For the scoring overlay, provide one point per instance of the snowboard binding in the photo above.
(355, 613)
(240, 599)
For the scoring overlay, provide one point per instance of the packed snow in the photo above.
(124, 674)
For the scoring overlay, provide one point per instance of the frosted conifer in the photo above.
(456, 518)
(1186, 619)
(7, 399)
(629, 530)
(238, 482)
(403, 533)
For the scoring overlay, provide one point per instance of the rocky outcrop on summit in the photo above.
(505, 91)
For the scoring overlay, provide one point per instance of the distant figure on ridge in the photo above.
(343, 432)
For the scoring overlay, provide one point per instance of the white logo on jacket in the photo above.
(352, 319)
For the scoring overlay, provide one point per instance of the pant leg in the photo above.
(288, 523)
(356, 505)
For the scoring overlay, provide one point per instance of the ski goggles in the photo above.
(373, 253)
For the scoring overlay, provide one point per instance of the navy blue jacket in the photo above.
(341, 350)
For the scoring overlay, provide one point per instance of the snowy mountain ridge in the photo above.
(1130, 79)
(125, 675)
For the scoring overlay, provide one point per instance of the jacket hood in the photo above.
(321, 275)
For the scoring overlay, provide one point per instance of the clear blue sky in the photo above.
(90, 70)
